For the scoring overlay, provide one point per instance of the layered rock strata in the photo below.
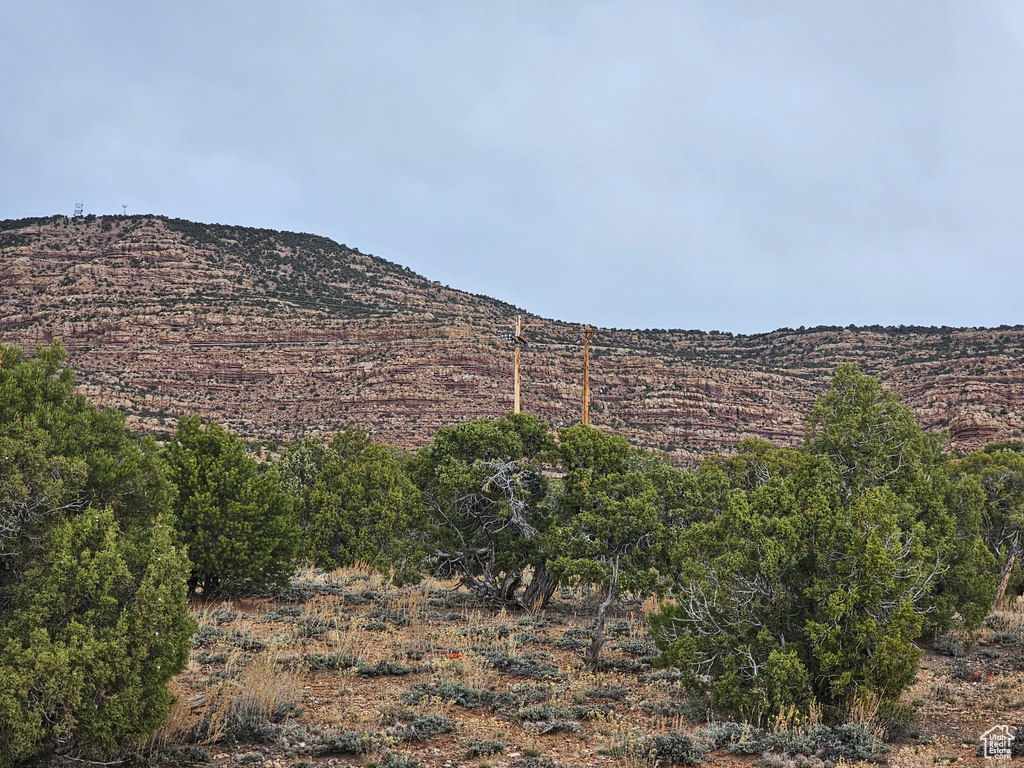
(279, 335)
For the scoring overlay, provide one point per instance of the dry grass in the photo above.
(178, 722)
(261, 658)
(943, 750)
(259, 692)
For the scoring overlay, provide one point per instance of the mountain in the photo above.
(279, 335)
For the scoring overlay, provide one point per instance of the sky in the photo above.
(714, 165)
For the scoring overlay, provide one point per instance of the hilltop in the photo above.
(279, 335)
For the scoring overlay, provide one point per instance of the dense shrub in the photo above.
(422, 728)
(93, 619)
(483, 747)
(819, 567)
(675, 748)
(828, 744)
(449, 692)
(355, 504)
(231, 512)
(520, 666)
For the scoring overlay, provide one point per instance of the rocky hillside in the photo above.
(279, 335)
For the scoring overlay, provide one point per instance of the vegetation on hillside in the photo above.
(798, 583)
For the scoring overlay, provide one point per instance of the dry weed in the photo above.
(363, 573)
(672, 724)
(261, 693)
(179, 722)
(471, 670)
(940, 751)
(628, 744)
(343, 643)
(203, 615)
(864, 711)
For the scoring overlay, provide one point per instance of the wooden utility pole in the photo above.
(586, 335)
(519, 333)
(517, 340)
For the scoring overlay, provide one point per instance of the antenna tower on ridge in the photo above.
(78, 208)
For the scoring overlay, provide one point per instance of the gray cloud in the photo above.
(739, 166)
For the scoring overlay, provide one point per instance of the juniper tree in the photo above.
(231, 511)
(999, 473)
(93, 618)
(789, 597)
(356, 504)
(485, 500)
(873, 441)
(615, 518)
(805, 576)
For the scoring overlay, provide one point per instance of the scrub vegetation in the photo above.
(504, 586)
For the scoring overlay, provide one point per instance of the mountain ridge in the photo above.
(282, 334)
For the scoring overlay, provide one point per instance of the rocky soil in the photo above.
(279, 335)
(344, 671)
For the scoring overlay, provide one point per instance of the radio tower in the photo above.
(586, 335)
(517, 340)
(78, 209)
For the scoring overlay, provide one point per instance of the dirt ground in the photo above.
(302, 679)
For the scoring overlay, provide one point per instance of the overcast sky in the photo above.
(738, 166)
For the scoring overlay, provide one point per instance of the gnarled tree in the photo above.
(999, 471)
(485, 497)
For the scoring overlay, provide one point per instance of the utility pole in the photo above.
(517, 340)
(586, 335)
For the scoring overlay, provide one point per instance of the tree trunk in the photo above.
(1004, 579)
(509, 587)
(597, 638)
(542, 587)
